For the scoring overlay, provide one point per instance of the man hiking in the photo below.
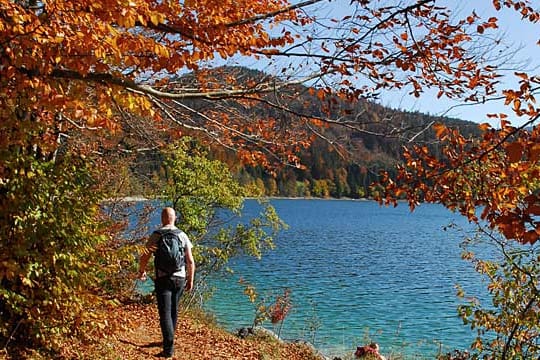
(175, 271)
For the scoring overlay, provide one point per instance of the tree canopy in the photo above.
(75, 66)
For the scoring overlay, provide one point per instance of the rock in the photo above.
(265, 332)
(244, 332)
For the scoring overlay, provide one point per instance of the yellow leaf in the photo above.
(141, 19)
(155, 19)
(517, 104)
(26, 281)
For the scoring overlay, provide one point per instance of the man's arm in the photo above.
(143, 261)
(145, 256)
(190, 269)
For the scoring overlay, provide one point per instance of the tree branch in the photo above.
(516, 327)
(489, 150)
(346, 124)
(273, 13)
(149, 90)
(388, 18)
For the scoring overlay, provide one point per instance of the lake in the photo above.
(359, 272)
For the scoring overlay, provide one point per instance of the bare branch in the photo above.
(421, 132)
(149, 90)
(352, 125)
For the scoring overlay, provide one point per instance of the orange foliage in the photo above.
(73, 65)
(493, 179)
(86, 60)
(93, 62)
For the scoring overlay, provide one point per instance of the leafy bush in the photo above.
(509, 327)
(51, 251)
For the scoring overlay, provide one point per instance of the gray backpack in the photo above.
(169, 256)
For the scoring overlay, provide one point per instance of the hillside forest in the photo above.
(338, 162)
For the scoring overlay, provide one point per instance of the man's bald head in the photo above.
(168, 216)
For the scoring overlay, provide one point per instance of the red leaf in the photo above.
(534, 153)
(530, 237)
(534, 210)
(514, 151)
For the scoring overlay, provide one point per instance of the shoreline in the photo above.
(135, 198)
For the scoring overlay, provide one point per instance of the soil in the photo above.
(196, 339)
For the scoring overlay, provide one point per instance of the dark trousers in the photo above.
(168, 293)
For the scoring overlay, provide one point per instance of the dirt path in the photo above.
(195, 340)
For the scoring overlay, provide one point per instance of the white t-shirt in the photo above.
(152, 242)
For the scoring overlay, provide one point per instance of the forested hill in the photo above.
(342, 161)
(374, 142)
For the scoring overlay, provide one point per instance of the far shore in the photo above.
(134, 198)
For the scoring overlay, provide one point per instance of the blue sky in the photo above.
(520, 38)
(518, 34)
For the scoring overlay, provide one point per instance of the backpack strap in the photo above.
(177, 232)
(160, 232)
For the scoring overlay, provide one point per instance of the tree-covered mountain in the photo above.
(344, 158)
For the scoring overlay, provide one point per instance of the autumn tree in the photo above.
(493, 182)
(497, 174)
(507, 323)
(74, 65)
(83, 79)
(54, 254)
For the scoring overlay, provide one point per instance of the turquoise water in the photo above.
(356, 271)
